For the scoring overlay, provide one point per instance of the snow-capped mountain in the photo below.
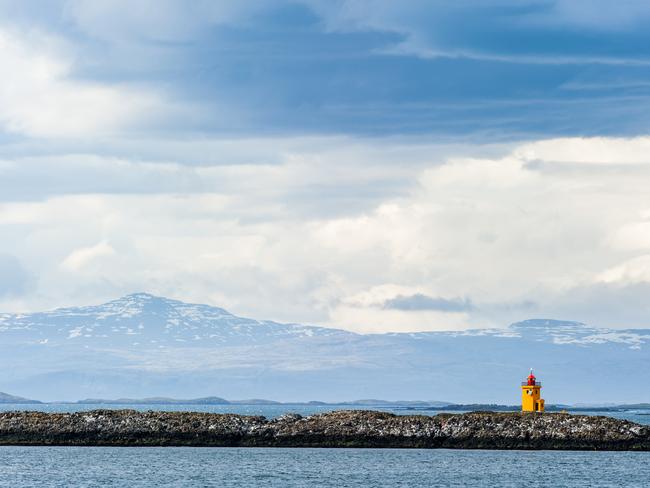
(142, 345)
(145, 320)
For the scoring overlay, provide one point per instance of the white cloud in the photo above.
(633, 236)
(79, 258)
(374, 320)
(496, 232)
(40, 97)
(635, 270)
(592, 150)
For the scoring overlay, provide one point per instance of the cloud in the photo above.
(306, 233)
(157, 20)
(79, 258)
(589, 150)
(600, 15)
(40, 98)
(423, 302)
(632, 271)
(228, 153)
(612, 304)
(250, 68)
(297, 176)
(15, 280)
(467, 30)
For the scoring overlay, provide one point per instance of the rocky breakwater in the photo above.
(484, 430)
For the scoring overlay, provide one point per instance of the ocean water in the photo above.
(272, 411)
(337, 468)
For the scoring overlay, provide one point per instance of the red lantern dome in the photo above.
(531, 378)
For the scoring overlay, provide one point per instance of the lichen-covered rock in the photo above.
(354, 428)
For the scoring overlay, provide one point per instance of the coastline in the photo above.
(343, 428)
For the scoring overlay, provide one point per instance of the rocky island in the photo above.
(347, 428)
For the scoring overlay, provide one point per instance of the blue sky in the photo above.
(328, 161)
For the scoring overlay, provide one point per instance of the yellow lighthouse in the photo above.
(530, 395)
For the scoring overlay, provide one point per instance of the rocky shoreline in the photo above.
(346, 428)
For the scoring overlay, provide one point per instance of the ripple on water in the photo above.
(230, 467)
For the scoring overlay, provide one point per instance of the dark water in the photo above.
(271, 411)
(241, 467)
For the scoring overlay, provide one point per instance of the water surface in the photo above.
(336, 468)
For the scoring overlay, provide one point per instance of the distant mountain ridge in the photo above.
(411, 405)
(155, 401)
(7, 398)
(146, 346)
(142, 319)
(253, 401)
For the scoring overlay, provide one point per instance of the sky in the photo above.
(375, 166)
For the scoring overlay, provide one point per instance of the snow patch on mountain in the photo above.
(153, 320)
(141, 345)
(145, 320)
(562, 332)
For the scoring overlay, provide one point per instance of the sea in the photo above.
(302, 467)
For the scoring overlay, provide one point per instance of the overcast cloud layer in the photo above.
(376, 166)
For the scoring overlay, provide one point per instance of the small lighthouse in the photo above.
(531, 400)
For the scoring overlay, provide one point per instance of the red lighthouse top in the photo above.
(531, 378)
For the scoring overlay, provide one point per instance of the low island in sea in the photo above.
(533, 427)
(345, 428)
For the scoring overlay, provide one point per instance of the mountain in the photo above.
(155, 401)
(147, 346)
(7, 398)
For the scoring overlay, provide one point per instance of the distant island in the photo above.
(7, 398)
(351, 428)
(415, 405)
(213, 400)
